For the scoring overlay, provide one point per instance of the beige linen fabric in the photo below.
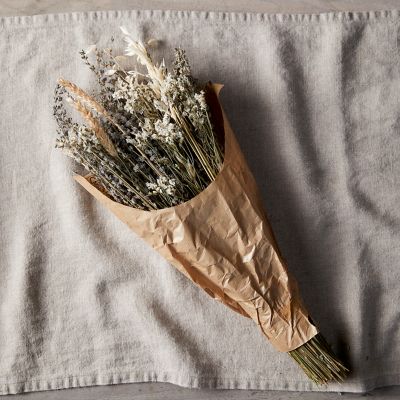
(314, 101)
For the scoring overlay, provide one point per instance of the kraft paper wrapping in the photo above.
(221, 239)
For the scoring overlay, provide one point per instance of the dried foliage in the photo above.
(147, 136)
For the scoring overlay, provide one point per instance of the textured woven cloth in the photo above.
(314, 101)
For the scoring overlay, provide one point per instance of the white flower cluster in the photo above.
(142, 135)
(201, 100)
(166, 131)
(122, 88)
(163, 185)
(137, 96)
(179, 90)
(174, 87)
(195, 108)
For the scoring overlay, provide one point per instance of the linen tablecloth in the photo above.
(314, 101)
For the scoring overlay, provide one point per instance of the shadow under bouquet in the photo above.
(161, 155)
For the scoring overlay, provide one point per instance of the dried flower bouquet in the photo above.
(163, 158)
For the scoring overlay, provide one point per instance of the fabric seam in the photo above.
(230, 16)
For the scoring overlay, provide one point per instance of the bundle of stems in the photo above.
(319, 362)
(148, 139)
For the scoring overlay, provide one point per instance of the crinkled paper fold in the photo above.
(221, 240)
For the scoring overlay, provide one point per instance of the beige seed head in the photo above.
(85, 97)
(95, 126)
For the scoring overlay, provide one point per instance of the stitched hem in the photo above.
(202, 15)
(113, 378)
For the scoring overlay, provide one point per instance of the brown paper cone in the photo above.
(222, 241)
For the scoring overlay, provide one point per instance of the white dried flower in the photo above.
(163, 185)
(137, 96)
(200, 97)
(167, 131)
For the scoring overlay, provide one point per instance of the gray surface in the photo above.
(165, 390)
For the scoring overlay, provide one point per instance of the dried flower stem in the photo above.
(196, 148)
(318, 361)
